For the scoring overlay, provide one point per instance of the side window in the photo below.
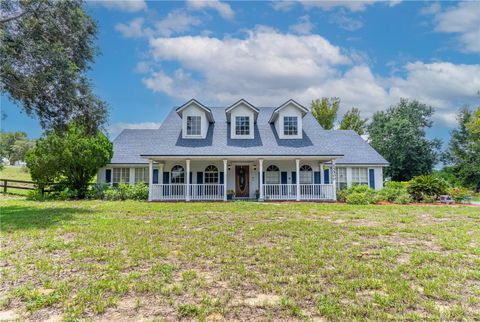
(194, 125)
(290, 125)
(242, 125)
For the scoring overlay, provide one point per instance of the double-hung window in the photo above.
(360, 176)
(290, 125)
(121, 175)
(341, 178)
(242, 125)
(141, 175)
(194, 125)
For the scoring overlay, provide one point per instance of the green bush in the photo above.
(403, 198)
(459, 194)
(392, 190)
(358, 195)
(426, 187)
(358, 198)
(138, 192)
(125, 191)
(429, 199)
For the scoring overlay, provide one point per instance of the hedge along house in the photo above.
(269, 153)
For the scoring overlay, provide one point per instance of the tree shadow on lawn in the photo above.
(18, 217)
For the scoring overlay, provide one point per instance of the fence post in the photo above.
(42, 190)
(5, 186)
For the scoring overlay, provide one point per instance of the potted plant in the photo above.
(230, 194)
(257, 194)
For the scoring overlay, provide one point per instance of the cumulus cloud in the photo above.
(115, 129)
(122, 5)
(303, 27)
(345, 21)
(133, 29)
(462, 19)
(222, 8)
(267, 67)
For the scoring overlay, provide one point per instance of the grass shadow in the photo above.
(19, 217)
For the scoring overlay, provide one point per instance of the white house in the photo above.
(273, 153)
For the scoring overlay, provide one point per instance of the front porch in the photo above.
(261, 179)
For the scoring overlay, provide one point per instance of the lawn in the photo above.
(15, 173)
(243, 260)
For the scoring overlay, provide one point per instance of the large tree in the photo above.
(464, 149)
(325, 111)
(399, 135)
(14, 146)
(47, 46)
(352, 121)
(71, 157)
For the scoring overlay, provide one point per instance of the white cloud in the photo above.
(116, 128)
(354, 6)
(222, 8)
(283, 5)
(133, 29)
(122, 5)
(176, 21)
(463, 19)
(345, 21)
(267, 67)
(303, 27)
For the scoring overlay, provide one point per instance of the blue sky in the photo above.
(156, 55)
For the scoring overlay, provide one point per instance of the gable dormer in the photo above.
(287, 119)
(242, 117)
(196, 119)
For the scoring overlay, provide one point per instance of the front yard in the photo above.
(137, 260)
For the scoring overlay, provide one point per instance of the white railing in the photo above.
(289, 192)
(168, 191)
(279, 191)
(206, 191)
(316, 192)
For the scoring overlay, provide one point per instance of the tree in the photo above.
(47, 46)
(464, 150)
(352, 121)
(14, 146)
(399, 135)
(474, 123)
(71, 157)
(325, 111)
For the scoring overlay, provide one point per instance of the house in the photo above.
(273, 153)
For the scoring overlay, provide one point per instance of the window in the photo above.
(272, 176)
(306, 174)
(141, 175)
(242, 125)
(121, 175)
(341, 178)
(178, 174)
(211, 174)
(359, 176)
(290, 125)
(194, 125)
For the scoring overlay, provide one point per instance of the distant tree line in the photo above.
(14, 146)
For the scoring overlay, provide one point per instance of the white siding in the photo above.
(194, 110)
(289, 110)
(242, 110)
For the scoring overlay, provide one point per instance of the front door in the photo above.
(241, 181)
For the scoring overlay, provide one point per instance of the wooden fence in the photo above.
(18, 184)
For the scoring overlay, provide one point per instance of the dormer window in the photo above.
(242, 125)
(194, 125)
(290, 125)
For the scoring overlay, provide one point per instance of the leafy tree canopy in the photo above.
(325, 111)
(399, 135)
(71, 157)
(352, 121)
(14, 146)
(46, 49)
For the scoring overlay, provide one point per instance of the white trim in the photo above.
(198, 104)
(290, 101)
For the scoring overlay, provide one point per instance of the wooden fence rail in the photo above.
(18, 184)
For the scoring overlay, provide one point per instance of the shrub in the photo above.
(392, 190)
(358, 195)
(112, 194)
(429, 199)
(426, 187)
(459, 194)
(358, 198)
(125, 191)
(403, 198)
(138, 192)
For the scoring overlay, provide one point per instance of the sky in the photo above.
(157, 55)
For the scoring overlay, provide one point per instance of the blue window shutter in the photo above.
(326, 176)
(263, 177)
(221, 178)
(155, 176)
(283, 177)
(166, 177)
(316, 177)
(294, 177)
(108, 175)
(190, 178)
(371, 175)
(199, 177)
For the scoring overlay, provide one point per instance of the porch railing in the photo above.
(206, 191)
(307, 192)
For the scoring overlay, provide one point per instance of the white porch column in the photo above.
(260, 173)
(349, 177)
(150, 179)
(225, 176)
(320, 167)
(160, 173)
(187, 193)
(334, 179)
(297, 169)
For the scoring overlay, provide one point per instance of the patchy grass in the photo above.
(137, 260)
(15, 173)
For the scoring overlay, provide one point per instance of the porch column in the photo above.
(260, 173)
(320, 167)
(187, 193)
(297, 169)
(150, 179)
(225, 176)
(160, 173)
(334, 179)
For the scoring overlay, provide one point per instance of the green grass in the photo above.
(134, 260)
(15, 173)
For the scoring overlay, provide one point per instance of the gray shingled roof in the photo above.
(131, 145)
